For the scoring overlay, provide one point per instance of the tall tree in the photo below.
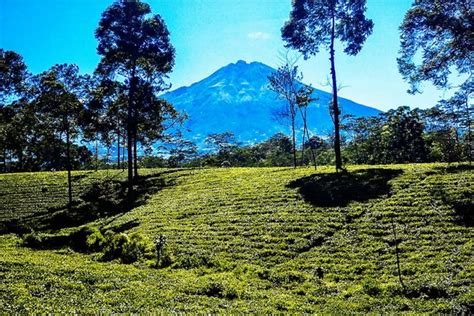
(403, 136)
(459, 109)
(13, 79)
(437, 42)
(155, 118)
(284, 82)
(316, 23)
(441, 135)
(13, 75)
(105, 117)
(222, 143)
(134, 45)
(303, 99)
(436, 39)
(59, 94)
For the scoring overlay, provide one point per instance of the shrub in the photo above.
(127, 249)
(32, 240)
(95, 241)
(371, 288)
(192, 260)
(86, 239)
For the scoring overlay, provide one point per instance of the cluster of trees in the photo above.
(316, 24)
(44, 118)
(285, 82)
(404, 135)
(438, 31)
(47, 119)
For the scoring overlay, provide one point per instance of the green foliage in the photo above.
(13, 74)
(128, 249)
(136, 45)
(394, 137)
(439, 32)
(86, 239)
(309, 26)
(33, 240)
(276, 151)
(371, 287)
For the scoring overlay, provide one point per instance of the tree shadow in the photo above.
(456, 168)
(339, 189)
(461, 201)
(102, 199)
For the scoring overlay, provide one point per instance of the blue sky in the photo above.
(209, 34)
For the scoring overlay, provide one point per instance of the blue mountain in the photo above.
(237, 98)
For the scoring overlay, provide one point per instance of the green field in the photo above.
(261, 240)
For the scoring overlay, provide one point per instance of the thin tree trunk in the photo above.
(469, 132)
(135, 157)
(5, 160)
(130, 124)
(118, 149)
(20, 159)
(124, 145)
(336, 112)
(96, 155)
(68, 166)
(107, 157)
(302, 141)
(294, 136)
(305, 127)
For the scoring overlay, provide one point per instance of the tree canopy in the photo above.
(135, 47)
(437, 39)
(318, 23)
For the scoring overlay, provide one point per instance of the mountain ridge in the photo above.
(237, 98)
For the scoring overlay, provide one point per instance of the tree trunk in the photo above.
(118, 149)
(107, 157)
(294, 135)
(96, 155)
(124, 145)
(69, 167)
(130, 124)
(5, 160)
(335, 105)
(302, 141)
(305, 130)
(135, 157)
(20, 159)
(469, 131)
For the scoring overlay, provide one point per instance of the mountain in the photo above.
(237, 98)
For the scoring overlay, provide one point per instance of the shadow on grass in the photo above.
(101, 200)
(460, 200)
(455, 168)
(339, 189)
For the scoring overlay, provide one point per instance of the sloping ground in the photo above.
(258, 240)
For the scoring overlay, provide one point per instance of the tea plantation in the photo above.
(241, 240)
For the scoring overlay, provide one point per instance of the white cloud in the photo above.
(258, 36)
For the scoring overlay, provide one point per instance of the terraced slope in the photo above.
(257, 240)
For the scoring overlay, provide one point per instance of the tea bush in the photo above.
(246, 240)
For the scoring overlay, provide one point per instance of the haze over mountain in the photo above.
(237, 98)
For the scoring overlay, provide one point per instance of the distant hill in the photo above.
(237, 98)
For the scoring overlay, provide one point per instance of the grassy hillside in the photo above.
(248, 240)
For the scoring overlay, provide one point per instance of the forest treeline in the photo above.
(401, 135)
(60, 119)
